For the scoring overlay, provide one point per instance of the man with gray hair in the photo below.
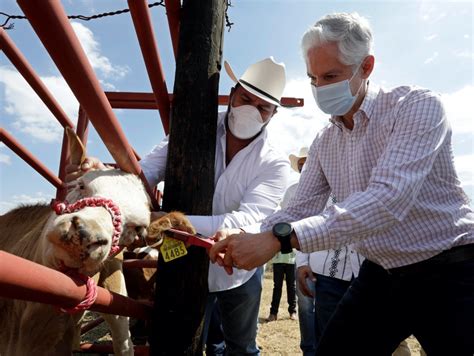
(387, 158)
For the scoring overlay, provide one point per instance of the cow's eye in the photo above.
(82, 185)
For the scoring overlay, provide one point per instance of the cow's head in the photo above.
(83, 239)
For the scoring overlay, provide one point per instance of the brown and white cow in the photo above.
(79, 240)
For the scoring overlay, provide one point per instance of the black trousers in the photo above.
(283, 271)
(434, 302)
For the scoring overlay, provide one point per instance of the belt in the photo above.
(454, 255)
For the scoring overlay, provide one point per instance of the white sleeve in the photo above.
(154, 163)
(261, 198)
(302, 259)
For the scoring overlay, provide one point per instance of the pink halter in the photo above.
(63, 208)
(114, 211)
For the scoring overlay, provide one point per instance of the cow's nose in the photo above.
(77, 223)
(80, 228)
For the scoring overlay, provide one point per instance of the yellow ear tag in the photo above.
(172, 249)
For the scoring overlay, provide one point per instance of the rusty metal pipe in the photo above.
(52, 26)
(146, 37)
(107, 347)
(140, 100)
(139, 263)
(173, 8)
(62, 191)
(91, 325)
(27, 280)
(28, 157)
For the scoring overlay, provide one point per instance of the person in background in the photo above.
(284, 264)
(387, 158)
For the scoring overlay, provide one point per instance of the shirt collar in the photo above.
(367, 106)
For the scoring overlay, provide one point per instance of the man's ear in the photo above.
(368, 66)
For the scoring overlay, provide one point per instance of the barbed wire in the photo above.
(75, 17)
(101, 15)
(228, 24)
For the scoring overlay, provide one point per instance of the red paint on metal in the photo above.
(62, 191)
(146, 37)
(28, 157)
(107, 348)
(52, 26)
(139, 100)
(139, 263)
(173, 8)
(91, 325)
(27, 280)
(25, 69)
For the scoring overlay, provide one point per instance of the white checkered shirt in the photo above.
(399, 198)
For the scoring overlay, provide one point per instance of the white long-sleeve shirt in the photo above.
(246, 191)
(399, 198)
(343, 263)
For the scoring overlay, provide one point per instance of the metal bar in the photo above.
(25, 69)
(142, 21)
(28, 157)
(139, 263)
(107, 348)
(91, 325)
(62, 191)
(27, 280)
(52, 26)
(139, 100)
(173, 8)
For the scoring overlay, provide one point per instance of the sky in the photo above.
(423, 43)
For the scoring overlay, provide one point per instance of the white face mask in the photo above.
(245, 121)
(335, 99)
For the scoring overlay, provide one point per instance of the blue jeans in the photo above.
(213, 334)
(328, 294)
(307, 319)
(239, 315)
(433, 302)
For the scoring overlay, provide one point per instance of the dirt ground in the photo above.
(280, 337)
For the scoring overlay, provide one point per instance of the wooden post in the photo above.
(181, 284)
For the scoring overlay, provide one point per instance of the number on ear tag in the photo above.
(172, 249)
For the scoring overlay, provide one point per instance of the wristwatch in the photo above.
(282, 232)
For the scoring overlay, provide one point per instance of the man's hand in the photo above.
(225, 233)
(245, 251)
(74, 171)
(302, 273)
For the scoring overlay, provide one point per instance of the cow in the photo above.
(104, 210)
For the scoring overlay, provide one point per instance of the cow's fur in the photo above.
(79, 240)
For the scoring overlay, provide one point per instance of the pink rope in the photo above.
(91, 291)
(64, 207)
(114, 211)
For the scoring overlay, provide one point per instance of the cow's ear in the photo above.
(76, 148)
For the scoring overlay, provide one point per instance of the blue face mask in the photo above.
(335, 99)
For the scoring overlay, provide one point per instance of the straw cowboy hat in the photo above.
(295, 158)
(265, 79)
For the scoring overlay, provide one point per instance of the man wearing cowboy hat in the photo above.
(250, 180)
